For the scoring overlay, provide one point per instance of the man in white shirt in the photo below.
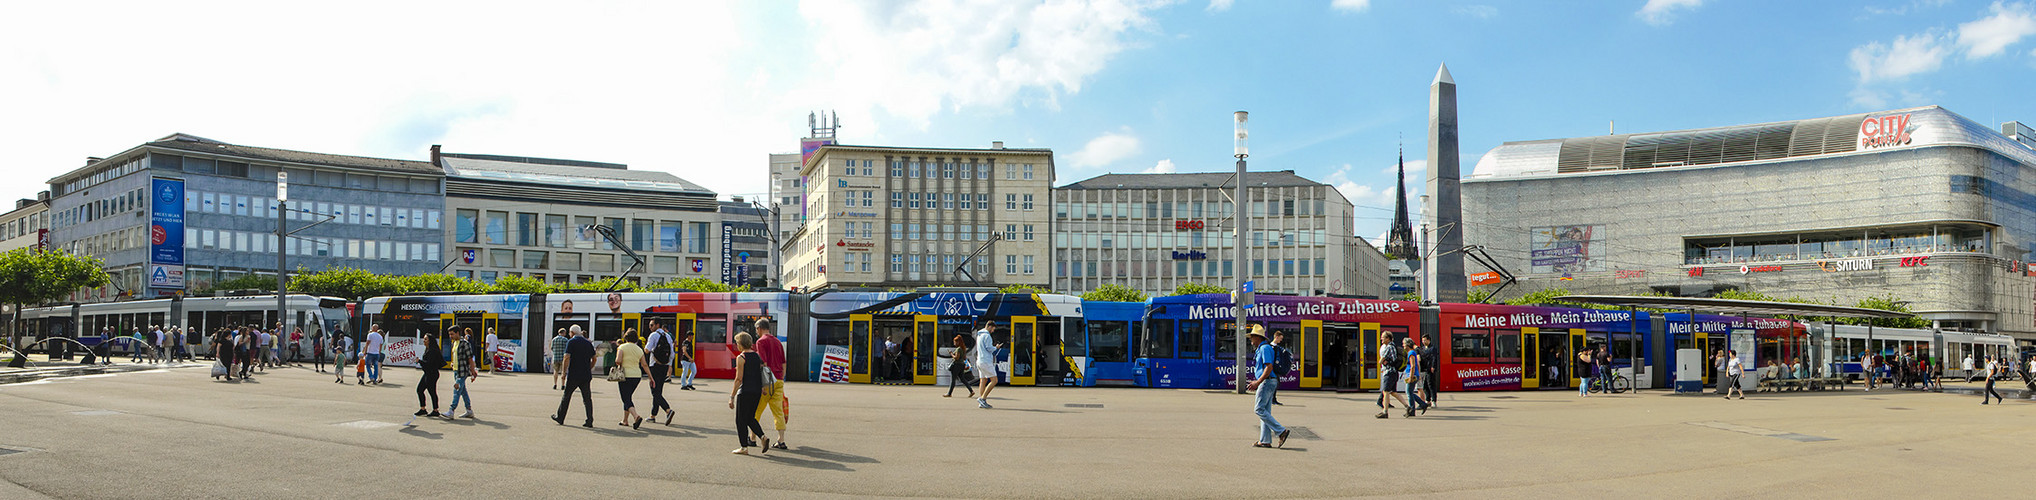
(162, 353)
(986, 363)
(489, 354)
(1968, 368)
(372, 350)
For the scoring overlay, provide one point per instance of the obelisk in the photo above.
(1443, 275)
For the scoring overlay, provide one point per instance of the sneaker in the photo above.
(982, 404)
(559, 419)
(420, 413)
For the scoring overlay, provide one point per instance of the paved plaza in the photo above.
(292, 433)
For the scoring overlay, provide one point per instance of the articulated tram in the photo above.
(91, 324)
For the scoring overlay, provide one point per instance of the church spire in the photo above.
(1400, 240)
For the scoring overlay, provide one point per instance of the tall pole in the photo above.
(1243, 252)
(282, 205)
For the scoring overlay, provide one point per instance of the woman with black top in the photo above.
(434, 358)
(749, 383)
(958, 370)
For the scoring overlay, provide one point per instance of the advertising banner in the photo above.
(834, 368)
(506, 354)
(727, 250)
(401, 352)
(1485, 278)
(166, 233)
(1567, 249)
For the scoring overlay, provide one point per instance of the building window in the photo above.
(897, 263)
(915, 263)
(947, 170)
(966, 169)
(1304, 267)
(668, 234)
(1288, 268)
(1028, 203)
(664, 265)
(497, 228)
(848, 200)
(1028, 232)
(912, 231)
(1028, 171)
(868, 166)
(913, 171)
(1028, 265)
(466, 219)
(1010, 264)
(1010, 201)
(915, 200)
(967, 200)
(983, 201)
(1010, 175)
(1010, 231)
(947, 201)
(897, 200)
(869, 198)
(1319, 269)
(698, 244)
(849, 168)
(897, 169)
(897, 230)
(536, 259)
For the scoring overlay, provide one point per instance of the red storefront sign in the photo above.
(1184, 225)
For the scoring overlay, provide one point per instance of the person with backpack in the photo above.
(660, 343)
(1269, 369)
(958, 370)
(1391, 361)
(772, 352)
(1413, 377)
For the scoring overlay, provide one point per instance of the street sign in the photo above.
(282, 186)
(1244, 297)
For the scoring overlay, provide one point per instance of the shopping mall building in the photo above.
(1920, 204)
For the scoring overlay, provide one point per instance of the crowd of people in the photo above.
(758, 386)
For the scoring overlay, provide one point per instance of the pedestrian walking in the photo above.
(245, 349)
(371, 352)
(660, 354)
(1733, 367)
(135, 346)
(686, 367)
(579, 370)
(1265, 384)
(161, 352)
(1412, 377)
(747, 391)
(433, 359)
(318, 352)
(1390, 360)
(487, 355)
(222, 347)
(1970, 372)
(986, 362)
(296, 347)
(557, 360)
(958, 369)
(342, 346)
(629, 359)
(1866, 370)
(1993, 373)
(1429, 382)
(464, 371)
(772, 352)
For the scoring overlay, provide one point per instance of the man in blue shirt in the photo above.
(1265, 384)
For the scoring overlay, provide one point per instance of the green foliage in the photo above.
(1114, 293)
(1546, 297)
(31, 277)
(437, 283)
(244, 282)
(519, 284)
(1477, 295)
(344, 282)
(697, 285)
(1886, 303)
(1192, 288)
(1411, 296)
(1025, 289)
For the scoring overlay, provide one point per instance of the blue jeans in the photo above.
(1414, 401)
(1267, 427)
(1585, 389)
(459, 393)
(374, 366)
(687, 369)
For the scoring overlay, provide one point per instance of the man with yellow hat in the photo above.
(1267, 357)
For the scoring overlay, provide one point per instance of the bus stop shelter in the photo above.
(1742, 308)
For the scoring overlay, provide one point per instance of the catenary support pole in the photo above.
(1243, 253)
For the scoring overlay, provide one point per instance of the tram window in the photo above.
(1506, 346)
(507, 329)
(1191, 340)
(1110, 341)
(1622, 348)
(832, 333)
(1470, 345)
(1226, 341)
(607, 327)
(713, 330)
(1074, 339)
(1159, 339)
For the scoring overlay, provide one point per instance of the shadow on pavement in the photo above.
(473, 422)
(413, 431)
(780, 457)
(1033, 410)
(705, 430)
(830, 455)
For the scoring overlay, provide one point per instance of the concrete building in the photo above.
(1370, 276)
(385, 214)
(750, 248)
(1919, 204)
(788, 191)
(906, 217)
(23, 227)
(518, 216)
(1153, 232)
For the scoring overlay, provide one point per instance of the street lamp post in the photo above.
(1243, 149)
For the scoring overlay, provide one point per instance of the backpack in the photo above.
(1283, 361)
(663, 350)
(1395, 359)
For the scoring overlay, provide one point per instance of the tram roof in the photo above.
(1734, 306)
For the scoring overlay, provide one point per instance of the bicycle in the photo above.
(1617, 384)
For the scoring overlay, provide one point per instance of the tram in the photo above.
(91, 324)
(1850, 342)
(701, 322)
(907, 337)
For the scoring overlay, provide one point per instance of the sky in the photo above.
(706, 90)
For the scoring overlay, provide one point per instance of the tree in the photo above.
(28, 276)
(519, 284)
(244, 282)
(1478, 295)
(698, 285)
(1192, 288)
(344, 282)
(1022, 289)
(437, 283)
(1114, 293)
(1546, 296)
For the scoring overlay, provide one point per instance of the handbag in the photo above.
(614, 374)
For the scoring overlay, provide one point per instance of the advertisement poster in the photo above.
(506, 352)
(1567, 249)
(834, 368)
(166, 234)
(401, 352)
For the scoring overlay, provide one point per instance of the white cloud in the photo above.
(1220, 5)
(1104, 150)
(1662, 12)
(1477, 11)
(1163, 167)
(1907, 55)
(1991, 35)
(1414, 169)
(1350, 5)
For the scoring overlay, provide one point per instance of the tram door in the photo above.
(859, 348)
(925, 328)
(1368, 336)
(1703, 344)
(1576, 345)
(1557, 365)
(1530, 358)
(1309, 352)
(480, 341)
(1024, 347)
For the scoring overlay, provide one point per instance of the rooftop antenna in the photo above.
(822, 124)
